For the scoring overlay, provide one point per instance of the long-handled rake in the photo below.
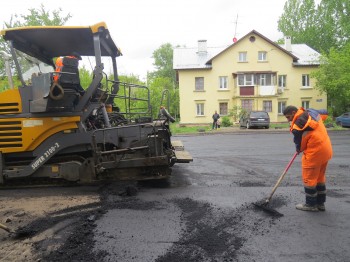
(264, 204)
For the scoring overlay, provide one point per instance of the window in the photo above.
(281, 107)
(282, 81)
(266, 79)
(245, 80)
(305, 80)
(242, 56)
(267, 106)
(262, 56)
(200, 109)
(247, 104)
(223, 109)
(222, 82)
(199, 84)
(305, 104)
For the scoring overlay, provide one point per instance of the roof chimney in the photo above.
(202, 46)
(288, 43)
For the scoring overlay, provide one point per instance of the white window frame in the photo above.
(281, 106)
(262, 56)
(223, 82)
(200, 109)
(305, 80)
(263, 79)
(282, 81)
(199, 84)
(305, 104)
(242, 57)
(243, 80)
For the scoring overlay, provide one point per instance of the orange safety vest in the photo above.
(315, 144)
(59, 66)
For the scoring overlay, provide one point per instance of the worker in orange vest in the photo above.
(311, 138)
(59, 64)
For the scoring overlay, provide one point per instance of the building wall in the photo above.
(227, 64)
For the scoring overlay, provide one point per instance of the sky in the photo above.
(139, 27)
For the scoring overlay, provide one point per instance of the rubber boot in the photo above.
(310, 200)
(321, 196)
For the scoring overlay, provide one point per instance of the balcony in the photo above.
(258, 91)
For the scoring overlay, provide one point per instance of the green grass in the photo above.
(176, 129)
(279, 125)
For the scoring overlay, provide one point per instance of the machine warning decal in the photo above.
(47, 154)
(32, 123)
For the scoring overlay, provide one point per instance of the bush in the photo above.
(225, 122)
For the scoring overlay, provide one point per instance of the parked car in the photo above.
(255, 119)
(343, 120)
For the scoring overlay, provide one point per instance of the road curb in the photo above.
(240, 131)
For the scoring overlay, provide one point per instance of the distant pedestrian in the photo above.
(311, 138)
(215, 117)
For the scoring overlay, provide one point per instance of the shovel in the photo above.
(264, 204)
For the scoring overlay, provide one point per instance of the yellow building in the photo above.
(253, 73)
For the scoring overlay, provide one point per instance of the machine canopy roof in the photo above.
(47, 42)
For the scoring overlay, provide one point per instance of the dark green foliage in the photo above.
(36, 17)
(333, 78)
(225, 121)
(319, 26)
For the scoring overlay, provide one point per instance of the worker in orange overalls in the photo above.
(59, 64)
(311, 138)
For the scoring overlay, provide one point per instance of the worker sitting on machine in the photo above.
(67, 72)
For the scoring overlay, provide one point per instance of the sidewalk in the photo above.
(243, 130)
(236, 130)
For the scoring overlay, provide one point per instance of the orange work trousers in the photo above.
(312, 176)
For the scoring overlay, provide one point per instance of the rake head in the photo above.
(265, 207)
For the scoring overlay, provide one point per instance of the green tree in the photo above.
(36, 17)
(163, 85)
(320, 26)
(164, 78)
(335, 18)
(163, 62)
(333, 78)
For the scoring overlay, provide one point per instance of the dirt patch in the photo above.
(53, 224)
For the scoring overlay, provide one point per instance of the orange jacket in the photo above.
(59, 66)
(311, 136)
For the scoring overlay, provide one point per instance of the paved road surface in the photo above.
(205, 212)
